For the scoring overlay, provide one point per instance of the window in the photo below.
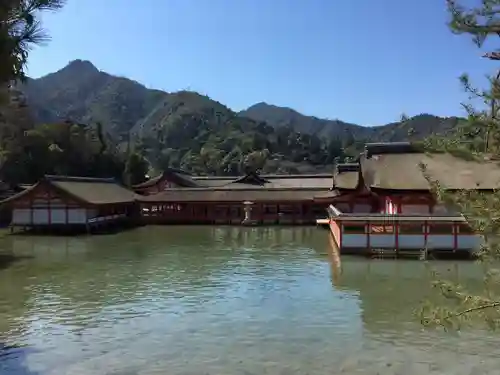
(411, 229)
(353, 228)
(381, 229)
(440, 229)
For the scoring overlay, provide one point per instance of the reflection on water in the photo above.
(226, 300)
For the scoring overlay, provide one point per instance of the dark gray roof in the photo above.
(95, 191)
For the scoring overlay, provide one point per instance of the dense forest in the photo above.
(81, 121)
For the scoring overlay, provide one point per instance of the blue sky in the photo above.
(363, 61)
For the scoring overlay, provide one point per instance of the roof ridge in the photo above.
(381, 148)
(80, 179)
(347, 167)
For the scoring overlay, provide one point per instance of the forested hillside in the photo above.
(183, 130)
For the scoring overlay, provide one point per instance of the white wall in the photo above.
(467, 242)
(383, 240)
(58, 215)
(411, 241)
(77, 216)
(40, 216)
(353, 241)
(440, 241)
(22, 216)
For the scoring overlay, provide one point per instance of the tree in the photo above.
(136, 168)
(482, 210)
(20, 29)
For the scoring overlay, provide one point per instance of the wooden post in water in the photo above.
(336, 264)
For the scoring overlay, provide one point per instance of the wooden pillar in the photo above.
(49, 205)
(31, 209)
(367, 232)
(66, 214)
(426, 233)
(396, 230)
(455, 229)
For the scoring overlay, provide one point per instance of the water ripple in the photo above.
(219, 301)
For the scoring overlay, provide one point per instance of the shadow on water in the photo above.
(13, 358)
(7, 260)
(75, 232)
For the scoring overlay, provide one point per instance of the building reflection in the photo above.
(391, 291)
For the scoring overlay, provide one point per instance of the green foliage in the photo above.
(20, 28)
(478, 138)
(136, 168)
(65, 149)
(192, 132)
(82, 93)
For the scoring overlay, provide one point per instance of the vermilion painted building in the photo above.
(176, 197)
(392, 205)
(61, 202)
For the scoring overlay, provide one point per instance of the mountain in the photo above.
(82, 93)
(417, 127)
(191, 131)
(283, 116)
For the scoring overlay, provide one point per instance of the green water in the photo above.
(201, 300)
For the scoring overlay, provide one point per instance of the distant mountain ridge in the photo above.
(416, 127)
(82, 93)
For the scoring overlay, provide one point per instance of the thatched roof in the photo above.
(230, 195)
(403, 171)
(96, 191)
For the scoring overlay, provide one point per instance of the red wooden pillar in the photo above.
(66, 213)
(341, 230)
(31, 208)
(426, 232)
(455, 229)
(396, 229)
(367, 232)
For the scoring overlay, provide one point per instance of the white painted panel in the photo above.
(362, 208)
(411, 241)
(415, 209)
(353, 240)
(383, 241)
(41, 216)
(77, 216)
(469, 242)
(440, 241)
(58, 216)
(21, 216)
(92, 212)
